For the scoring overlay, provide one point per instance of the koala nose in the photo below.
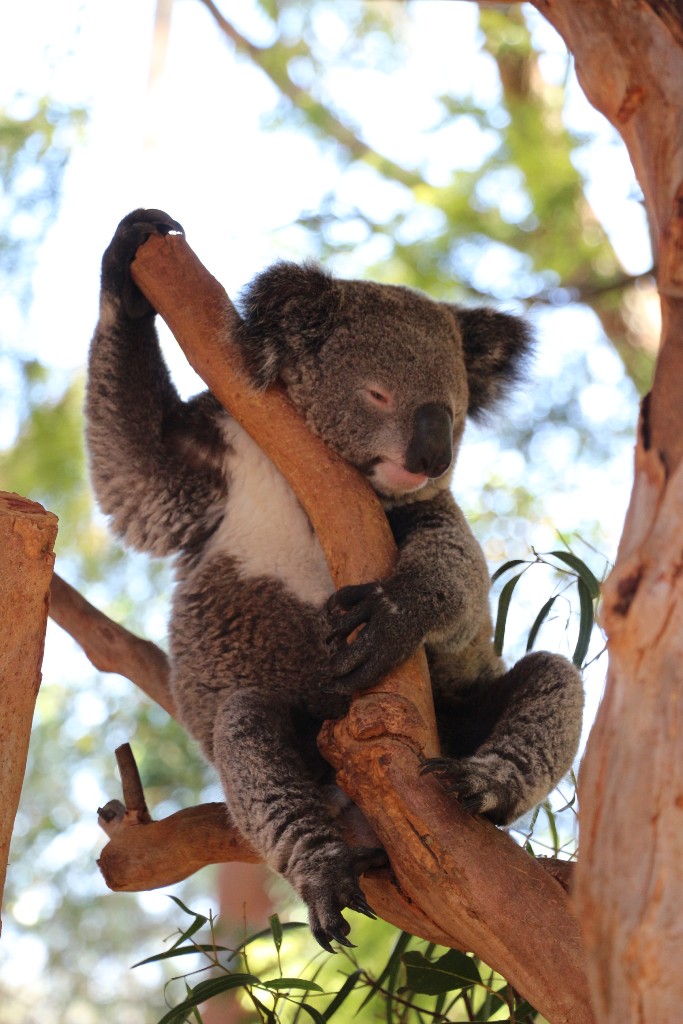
(430, 449)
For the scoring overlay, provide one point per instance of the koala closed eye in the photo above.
(379, 398)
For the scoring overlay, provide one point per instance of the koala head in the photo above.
(385, 375)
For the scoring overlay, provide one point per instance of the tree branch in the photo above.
(110, 647)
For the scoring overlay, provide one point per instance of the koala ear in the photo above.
(496, 347)
(288, 311)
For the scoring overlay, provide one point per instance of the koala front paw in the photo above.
(383, 641)
(117, 283)
(333, 890)
(485, 784)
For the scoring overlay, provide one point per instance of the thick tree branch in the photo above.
(27, 536)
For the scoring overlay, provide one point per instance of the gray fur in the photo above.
(259, 648)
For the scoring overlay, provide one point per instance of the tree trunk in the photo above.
(27, 536)
(629, 884)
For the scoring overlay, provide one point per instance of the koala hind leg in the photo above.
(278, 806)
(510, 740)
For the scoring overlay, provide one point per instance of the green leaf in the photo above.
(268, 1015)
(539, 620)
(501, 618)
(199, 921)
(391, 967)
(266, 933)
(501, 570)
(552, 825)
(580, 567)
(187, 910)
(587, 617)
(451, 971)
(276, 930)
(312, 1012)
(302, 983)
(492, 1004)
(341, 995)
(184, 951)
(206, 990)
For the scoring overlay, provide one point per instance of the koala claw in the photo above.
(362, 907)
(131, 233)
(482, 785)
(325, 918)
(332, 892)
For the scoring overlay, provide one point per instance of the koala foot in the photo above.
(336, 888)
(484, 784)
(133, 230)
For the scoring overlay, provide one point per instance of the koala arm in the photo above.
(438, 592)
(155, 460)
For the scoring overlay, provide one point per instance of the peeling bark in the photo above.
(27, 536)
(629, 885)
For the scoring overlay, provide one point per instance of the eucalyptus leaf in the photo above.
(539, 620)
(276, 930)
(390, 969)
(580, 567)
(454, 970)
(503, 607)
(506, 566)
(586, 621)
(341, 996)
(301, 983)
(206, 990)
(266, 933)
(316, 1015)
(183, 951)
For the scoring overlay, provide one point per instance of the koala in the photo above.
(259, 639)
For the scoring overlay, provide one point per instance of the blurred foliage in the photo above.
(515, 227)
(34, 149)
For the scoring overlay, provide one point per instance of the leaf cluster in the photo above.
(573, 572)
(426, 984)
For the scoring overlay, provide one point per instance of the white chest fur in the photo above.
(264, 528)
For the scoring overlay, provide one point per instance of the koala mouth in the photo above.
(390, 476)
